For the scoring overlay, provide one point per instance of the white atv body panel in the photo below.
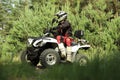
(76, 47)
(44, 41)
(50, 40)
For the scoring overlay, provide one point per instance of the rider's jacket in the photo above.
(64, 28)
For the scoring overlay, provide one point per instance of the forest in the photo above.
(100, 20)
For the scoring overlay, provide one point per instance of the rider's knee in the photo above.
(68, 41)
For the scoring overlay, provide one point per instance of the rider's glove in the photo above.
(54, 20)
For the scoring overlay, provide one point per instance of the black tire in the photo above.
(81, 59)
(35, 61)
(49, 57)
(24, 59)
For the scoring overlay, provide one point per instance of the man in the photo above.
(64, 30)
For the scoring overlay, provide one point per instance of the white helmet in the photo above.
(62, 15)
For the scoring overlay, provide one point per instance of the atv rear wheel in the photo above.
(49, 57)
(81, 59)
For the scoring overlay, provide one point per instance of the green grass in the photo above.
(17, 71)
(106, 68)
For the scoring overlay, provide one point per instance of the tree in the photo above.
(114, 6)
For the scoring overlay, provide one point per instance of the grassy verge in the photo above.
(17, 71)
(107, 68)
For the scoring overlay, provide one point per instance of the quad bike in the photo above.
(46, 51)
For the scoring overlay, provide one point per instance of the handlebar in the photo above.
(48, 31)
(83, 41)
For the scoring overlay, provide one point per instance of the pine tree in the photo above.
(114, 6)
(2, 16)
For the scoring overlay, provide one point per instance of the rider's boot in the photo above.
(69, 54)
(62, 49)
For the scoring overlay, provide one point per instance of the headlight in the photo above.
(30, 40)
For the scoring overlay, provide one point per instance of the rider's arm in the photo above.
(56, 27)
(66, 24)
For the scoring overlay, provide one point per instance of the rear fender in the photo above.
(75, 48)
(85, 46)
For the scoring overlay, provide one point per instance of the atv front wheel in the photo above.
(49, 57)
(24, 59)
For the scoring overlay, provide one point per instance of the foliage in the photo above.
(98, 18)
(100, 30)
(17, 71)
(101, 27)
